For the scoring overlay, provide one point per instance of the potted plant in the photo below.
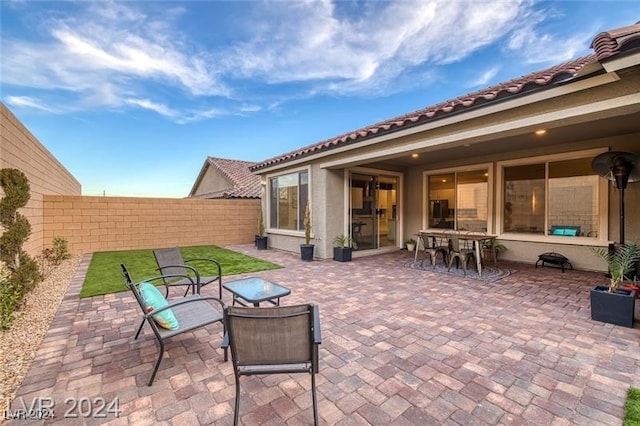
(343, 248)
(306, 249)
(261, 239)
(609, 303)
(411, 244)
(491, 248)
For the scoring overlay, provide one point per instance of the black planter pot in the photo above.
(306, 252)
(342, 254)
(613, 308)
(261, 242)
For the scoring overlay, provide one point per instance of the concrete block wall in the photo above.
(93, 224)
(19, 149)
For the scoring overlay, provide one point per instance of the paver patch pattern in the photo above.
(400, 346)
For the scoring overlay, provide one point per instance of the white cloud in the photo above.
(113, 45)
(179, 116)
(153, 106)
(118, 54)
(310, 42)
(26, 101)
(485, 78)
(535, 46)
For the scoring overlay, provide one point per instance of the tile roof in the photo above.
(245, 184)
(605, 45)
(616, 41)
(482, 97)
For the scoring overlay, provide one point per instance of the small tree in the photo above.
(307, 225)
(23, 270)
(260, 227)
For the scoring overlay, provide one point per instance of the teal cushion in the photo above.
(153, 300)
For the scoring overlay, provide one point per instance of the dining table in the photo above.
(476, 237)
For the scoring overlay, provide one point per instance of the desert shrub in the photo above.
(60, 250)
(52, 257)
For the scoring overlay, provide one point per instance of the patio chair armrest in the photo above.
(225, 341)
(166, 286)
(189, 267)
(317, 335)
(184, 301)
(206, 259)
(161, 277)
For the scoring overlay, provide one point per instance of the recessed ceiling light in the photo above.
(467, 145)
(444, 180)
(540, 132)
(414, 155)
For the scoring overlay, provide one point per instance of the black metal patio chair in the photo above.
(274, 340)
(170, 262)
(190, 313)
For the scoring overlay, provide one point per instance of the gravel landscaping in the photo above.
(19, 344)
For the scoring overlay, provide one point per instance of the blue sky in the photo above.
(133, 96)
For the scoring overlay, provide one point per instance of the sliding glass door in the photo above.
(373, 210)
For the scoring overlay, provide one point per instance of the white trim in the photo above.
(470, 168)
(620, 62)
(603, 210)
(269, 176)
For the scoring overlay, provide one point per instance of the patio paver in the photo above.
(400, 346)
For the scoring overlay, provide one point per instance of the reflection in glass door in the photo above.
(373, 213)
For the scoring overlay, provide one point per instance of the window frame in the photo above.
(297, 170)
(603, 200)
(470, 168)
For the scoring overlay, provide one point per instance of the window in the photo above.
(559, 198)
(288, 197)
(458, 200)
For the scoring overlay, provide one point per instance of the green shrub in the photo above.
(23, 270)
(52, 257)
(10, 297)
(60, 250)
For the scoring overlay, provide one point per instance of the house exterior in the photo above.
(512, 160)
(225, 178)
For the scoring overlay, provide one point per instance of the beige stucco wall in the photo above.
(212, 181)
(21, 150)
(122, 223)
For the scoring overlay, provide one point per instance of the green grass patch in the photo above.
(104, 275)
(632, 408)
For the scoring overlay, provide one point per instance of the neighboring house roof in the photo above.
(605, 45)
(241, 182)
